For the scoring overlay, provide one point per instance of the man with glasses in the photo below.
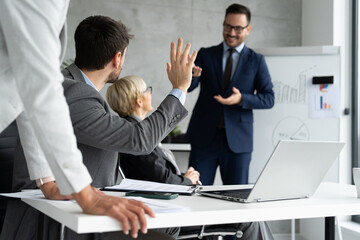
(234, 80)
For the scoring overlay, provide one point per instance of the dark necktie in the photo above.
(228, 68)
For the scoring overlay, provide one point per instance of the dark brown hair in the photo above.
(239, 9)
(97, 40)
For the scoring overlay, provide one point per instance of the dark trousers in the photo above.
(234, 167)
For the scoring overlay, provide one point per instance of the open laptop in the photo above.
(294, 170)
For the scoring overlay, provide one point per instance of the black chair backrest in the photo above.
(8, 139)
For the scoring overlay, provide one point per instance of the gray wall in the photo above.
(155, 23)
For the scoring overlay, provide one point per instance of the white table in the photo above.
(330, 200)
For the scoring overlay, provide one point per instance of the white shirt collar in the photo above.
(87, 80)
(238, 48)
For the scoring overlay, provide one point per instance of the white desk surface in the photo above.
(330, 199)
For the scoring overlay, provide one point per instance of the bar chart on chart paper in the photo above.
(323, 102)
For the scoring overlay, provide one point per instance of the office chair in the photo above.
(8, 140)
(198, 232)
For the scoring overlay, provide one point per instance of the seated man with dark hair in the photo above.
(131, 99)
(101, 45)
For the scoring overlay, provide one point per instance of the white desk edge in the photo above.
(330, 199)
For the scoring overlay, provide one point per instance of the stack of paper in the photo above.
(159, 206)
(31, 194)
(147, 186)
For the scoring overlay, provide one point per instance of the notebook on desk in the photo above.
(294, 170)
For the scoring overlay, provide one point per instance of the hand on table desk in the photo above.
(93, 201)
(193, 175)
(51, 191)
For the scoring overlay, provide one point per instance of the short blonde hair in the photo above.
(122, 95)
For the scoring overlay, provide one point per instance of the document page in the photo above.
(161, 206)
(158, 206)
(31, 194)
(147, 186)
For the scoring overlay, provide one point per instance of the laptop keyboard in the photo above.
(242, 194)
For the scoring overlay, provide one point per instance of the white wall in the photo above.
(335, 31)
(342, 37)
(327, 22)
(317, 22)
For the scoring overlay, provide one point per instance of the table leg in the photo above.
(329, 228)
(62, 231)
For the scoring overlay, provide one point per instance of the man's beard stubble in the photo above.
(113, 77)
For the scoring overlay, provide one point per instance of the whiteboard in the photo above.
(291, 70)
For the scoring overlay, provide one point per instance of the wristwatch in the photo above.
(42, 181)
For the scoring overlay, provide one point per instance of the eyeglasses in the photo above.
(238, 29)
(148, 89)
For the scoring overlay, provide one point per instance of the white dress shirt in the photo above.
(235, 57)
(31, 90)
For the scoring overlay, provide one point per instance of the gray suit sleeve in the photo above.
(95, 126)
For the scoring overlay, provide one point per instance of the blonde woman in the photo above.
(131, 99)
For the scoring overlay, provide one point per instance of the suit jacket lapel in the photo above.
(218, 55)
(239, 68)
(77, 76)
(169, 156)
(75, 72)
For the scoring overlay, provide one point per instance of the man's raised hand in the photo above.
(179, 69)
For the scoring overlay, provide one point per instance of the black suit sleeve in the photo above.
(153, 167)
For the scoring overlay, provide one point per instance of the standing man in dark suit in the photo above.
(233, 80)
